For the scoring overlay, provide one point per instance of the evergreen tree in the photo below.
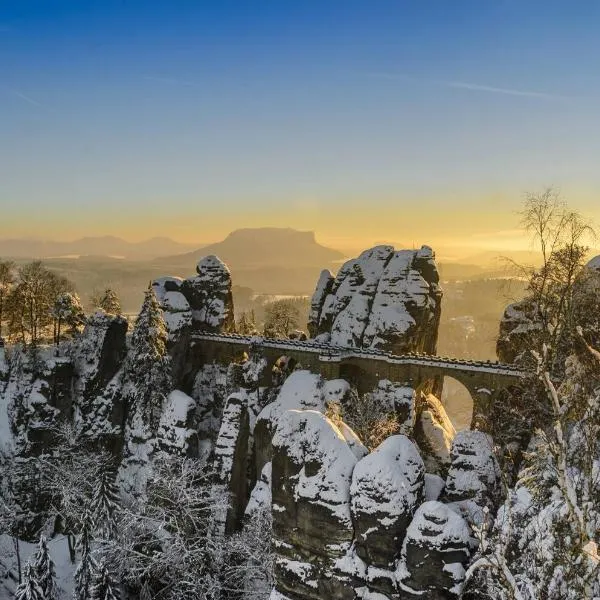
(148, 368)
(246, 324)
(105, 502)
(29, 588)
(109, 302)
(43, 567)
(87, 568)
(104, 588)
(67, 311)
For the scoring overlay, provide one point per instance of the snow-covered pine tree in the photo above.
(105, 502)
(246, 324)
(43, 567)
(87, 568)
(29, 588)
(110, 303)
(67, 310)
(146, 383)
(105, 587)
(148, 368)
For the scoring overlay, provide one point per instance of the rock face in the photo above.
(474, 475)
(177, 310)
(302, 390)
(176, 432)
(384, 299)
(209, 296)
(36, 397)
(387, 486)
(435, 550)
(312, 525)
(519, 331)
(434, 433)
(231, 455)
(97, 356)
(396, 398)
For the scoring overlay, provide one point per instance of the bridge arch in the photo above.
(457, 402)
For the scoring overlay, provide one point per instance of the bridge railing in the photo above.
(328, 352)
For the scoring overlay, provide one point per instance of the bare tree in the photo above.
(545, 538)
(281, 317)
(561, 235)
(7, 279)
(32, 299)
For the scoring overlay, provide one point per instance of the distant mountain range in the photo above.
(264, 247)
(92, 246)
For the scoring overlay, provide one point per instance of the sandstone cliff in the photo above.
(384, 299)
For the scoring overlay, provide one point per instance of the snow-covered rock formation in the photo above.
(312, 525)
(434, 554)
(177, 310)
(384, 299)
(520, 329)
(97, 356)
(473, 480)
(434, 434)
(209, 296)
(387, 486)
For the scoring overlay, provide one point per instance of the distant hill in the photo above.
(263, 247)
(92, 246)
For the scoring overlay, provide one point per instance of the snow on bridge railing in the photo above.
(313, 347)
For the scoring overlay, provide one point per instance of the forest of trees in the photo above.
(39, 306)
(276, 318)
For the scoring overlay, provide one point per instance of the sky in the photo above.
(366, 121)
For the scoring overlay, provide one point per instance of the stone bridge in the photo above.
(365, 367)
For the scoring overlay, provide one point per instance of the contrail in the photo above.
(170, 81)
(473, 87)
(498, 90)
(27, 99)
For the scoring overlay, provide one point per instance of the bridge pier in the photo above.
(482, 403)
(329, 367)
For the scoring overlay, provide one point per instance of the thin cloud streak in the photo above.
(170, 81)
(473, 87)
(24, 97)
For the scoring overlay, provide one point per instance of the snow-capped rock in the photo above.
(260, 498)
(312, 471)
(434, 433)
(387, 486)
(302, 390)
(396, 398)
(474, 473)
(385, 299)
(209, 296)
(520, 330)
(97, 356)
(230, 460)
(594, 263)
(177, 310)
(435, 550)
(176, 434)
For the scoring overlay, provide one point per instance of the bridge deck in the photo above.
(327, 352)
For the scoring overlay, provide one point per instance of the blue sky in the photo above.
(372, 119)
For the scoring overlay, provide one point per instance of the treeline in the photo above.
(276, 319)
(37, 305)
